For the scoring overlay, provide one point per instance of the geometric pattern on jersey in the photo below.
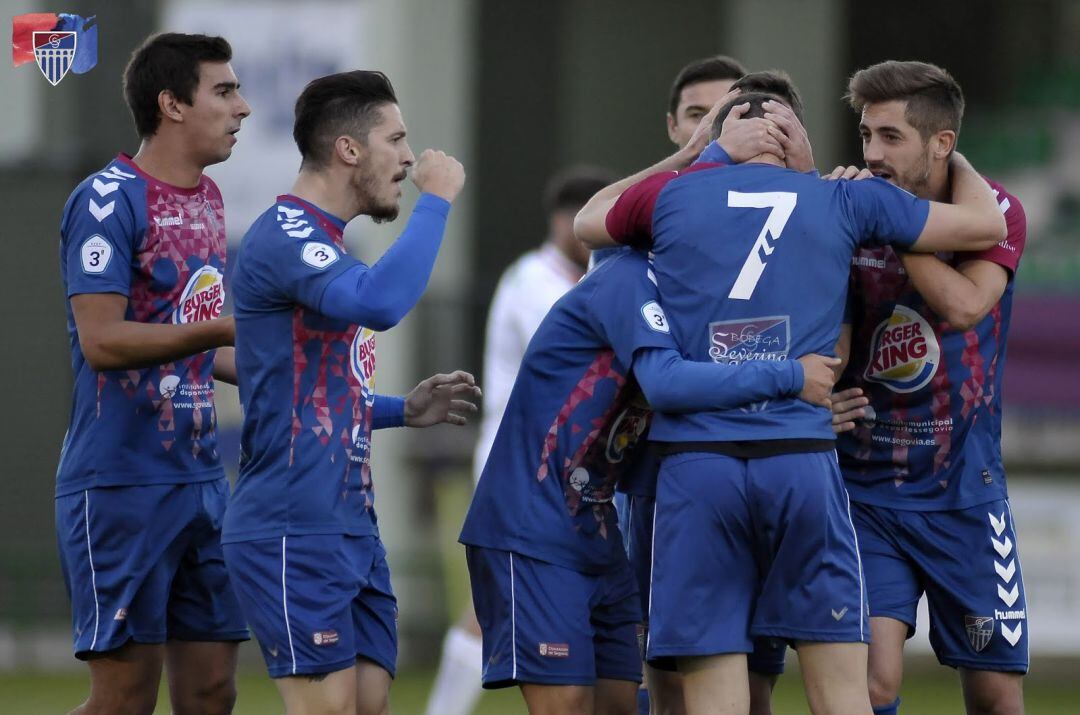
(163, 247)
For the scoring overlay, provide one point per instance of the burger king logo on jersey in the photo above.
(904, 352)
(362, 362)
(203, 296)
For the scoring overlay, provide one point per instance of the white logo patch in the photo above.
(168, 386)
(96, 254)
(319, 255)
(654, 316)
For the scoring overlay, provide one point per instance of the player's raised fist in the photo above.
(438, 173)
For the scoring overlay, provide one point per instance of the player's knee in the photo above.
(994, 701)
(213, 696)
(884, 687)
(122, 701)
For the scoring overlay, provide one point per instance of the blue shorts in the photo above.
(636, 516)
(144, 564)
(317, 603)
(551, 625)
(967, 563)
(753, 548)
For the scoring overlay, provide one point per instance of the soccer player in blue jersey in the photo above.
(753, 535)
(924, 467)
(301, 537)
(140, 490)
(554, 594)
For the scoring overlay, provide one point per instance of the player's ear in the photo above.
(943, 143)
(169, 106)
(671, 128)
(348, 150)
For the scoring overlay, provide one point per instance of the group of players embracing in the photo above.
(693, 369)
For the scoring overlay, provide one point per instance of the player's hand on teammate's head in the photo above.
(818, 379)
(847, 406)
(438, 173)
(793, 138)
(744, 139)
(442, 398)
(700, 138)
(848, 172)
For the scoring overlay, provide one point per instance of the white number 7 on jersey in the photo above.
(782, 204)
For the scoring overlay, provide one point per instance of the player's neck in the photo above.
(331, 194)
(766, 158)
(939, 187)
(167, 161)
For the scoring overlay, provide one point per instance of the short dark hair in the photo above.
(167, 62)
(337, 104)
(708, 69)
(758, 88)
(934, 99)
(570, 189)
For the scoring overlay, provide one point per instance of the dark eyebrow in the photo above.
(698, 107)
(226, 85)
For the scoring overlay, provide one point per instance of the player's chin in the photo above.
(385, 212)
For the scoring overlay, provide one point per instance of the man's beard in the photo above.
(366, 186)
(917, 179)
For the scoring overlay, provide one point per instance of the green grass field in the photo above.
(935, 692)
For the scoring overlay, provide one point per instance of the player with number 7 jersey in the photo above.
(751, 262)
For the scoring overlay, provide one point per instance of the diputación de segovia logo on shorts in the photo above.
(57, 43)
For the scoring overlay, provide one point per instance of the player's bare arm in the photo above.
(850, 404)
(225, 365)
(962, 295)
(972, 222)
(109, 342)
(589, 224)
(449, 398)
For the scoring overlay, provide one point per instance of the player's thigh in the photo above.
(665, 691)
(558, 699)
(704, 574)
(202, 602)
(374, 610)
(535, 618)
(974, 586)
(297, 594)
(120, 548)
(126, 678)
(992, 693)
(372, 688)
(716, 684)
(615, 697)
(319, 694)
(885, 670)
(202, 675)
(834, 676)
(813, 588)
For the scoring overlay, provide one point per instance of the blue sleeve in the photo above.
(714, 153)
(380, 296)
(672, 384)
(625, 307)
(99, 240)
(388, 411)
(881, 213)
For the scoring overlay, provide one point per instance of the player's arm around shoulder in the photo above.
(972, 222)
(966, 291)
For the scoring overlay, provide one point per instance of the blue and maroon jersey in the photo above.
(163, 247)
(932, 439)
(573, 426)
(307, 380)
(752, 263)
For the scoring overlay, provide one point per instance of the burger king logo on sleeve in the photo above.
(905, 353)
(362, 362)
(203, 296)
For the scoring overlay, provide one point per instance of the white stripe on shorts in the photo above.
(1020, 568)
(285, 607)
(858, 557)
(90, 556)
(513, 620)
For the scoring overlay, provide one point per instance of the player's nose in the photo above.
(407, 158)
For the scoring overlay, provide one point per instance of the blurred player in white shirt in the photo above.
(526, 291)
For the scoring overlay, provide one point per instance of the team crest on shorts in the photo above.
(980, 629)
(555, 650)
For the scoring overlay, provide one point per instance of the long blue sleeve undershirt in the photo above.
(380, 296)
(388, 411)
(674, 384)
